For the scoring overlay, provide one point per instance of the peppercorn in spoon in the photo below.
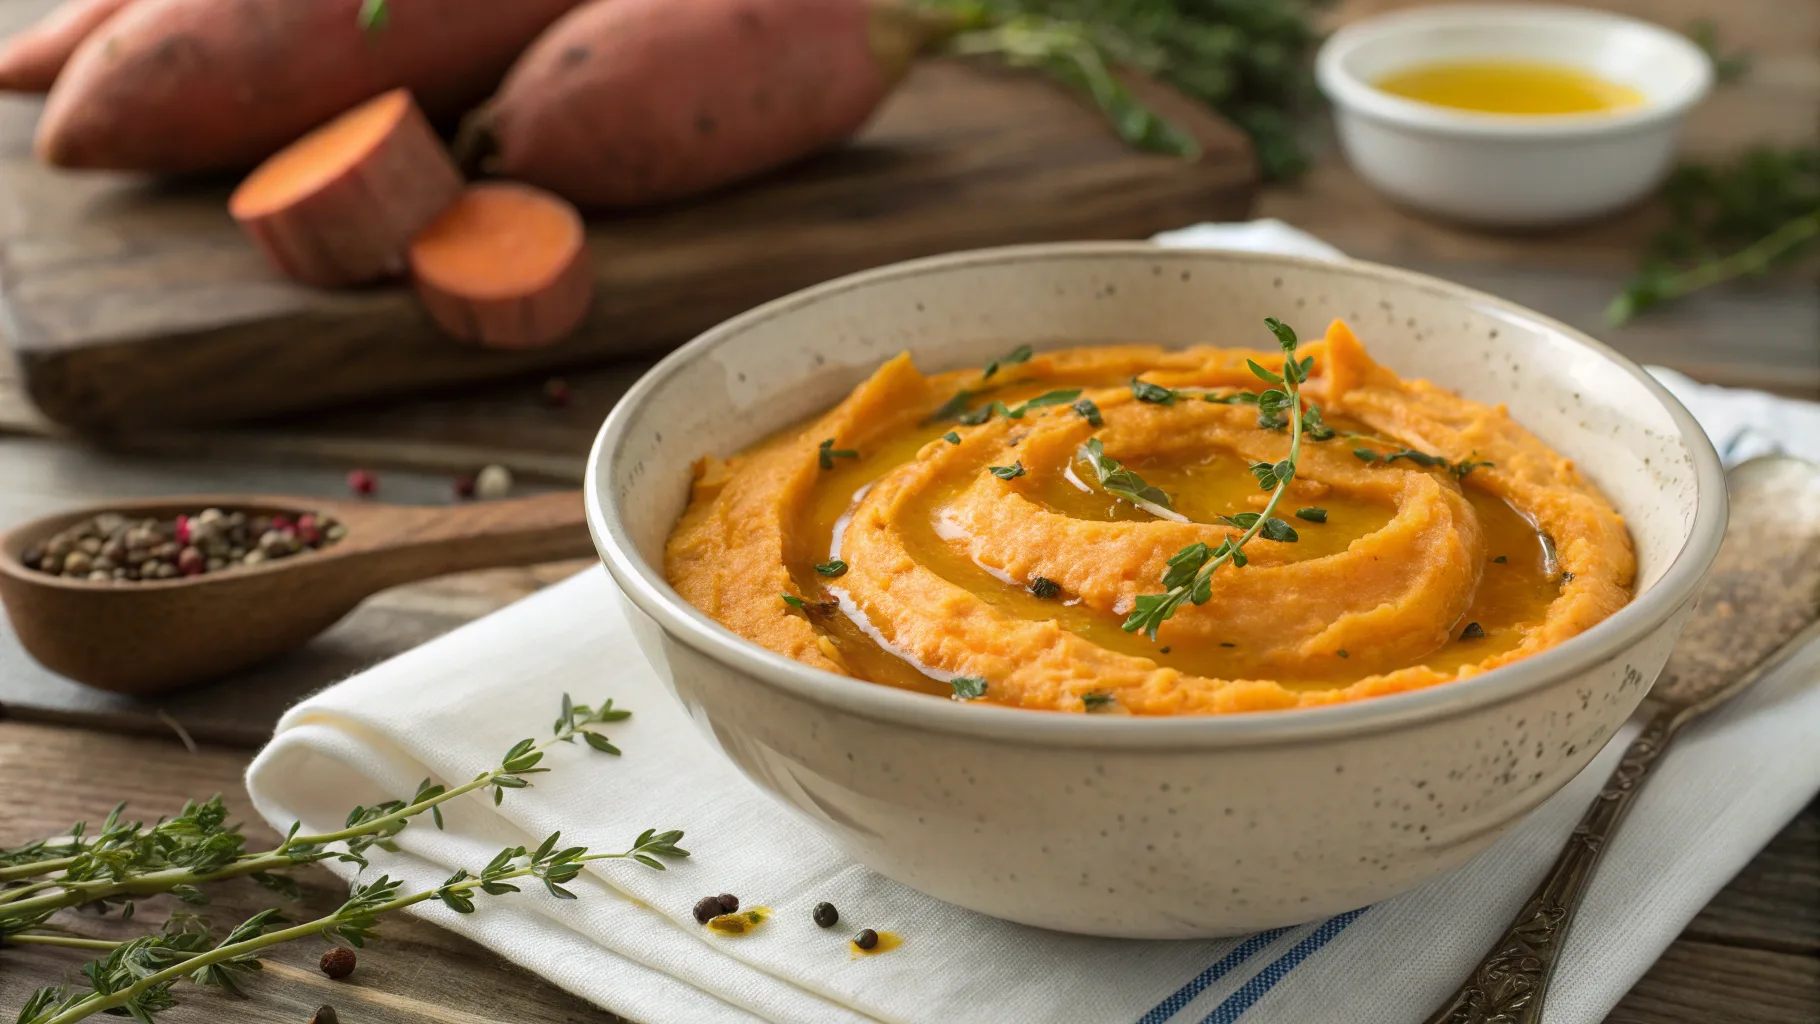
(310, 563)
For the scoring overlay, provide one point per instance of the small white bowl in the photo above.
(1511, 170)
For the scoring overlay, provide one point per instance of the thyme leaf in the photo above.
(968, 687)
(1188, 575)
(1120, 482)
(1020, 354)
(827, 453)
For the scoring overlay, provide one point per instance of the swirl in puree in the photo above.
(955, 534)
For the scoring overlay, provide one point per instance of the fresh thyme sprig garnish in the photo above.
(827, 453)
(1020, 354)
(968, 687)
(1121, 482)
(1047, 398)
(1459, 470)
(1011, 472)
(124, 862)
(1189, 576)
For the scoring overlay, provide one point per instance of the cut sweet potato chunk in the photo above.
(506, 266)
(341, 205)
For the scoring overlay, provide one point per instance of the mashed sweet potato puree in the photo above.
(909, 560)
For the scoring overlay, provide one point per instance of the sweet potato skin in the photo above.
(625, 102)
(176, 86)
(356, 226)
(30, 60)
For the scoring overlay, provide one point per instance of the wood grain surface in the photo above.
(135, 302)
(1740, 962)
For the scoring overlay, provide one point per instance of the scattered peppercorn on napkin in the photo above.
(449, 709)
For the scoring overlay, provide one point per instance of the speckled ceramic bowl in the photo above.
(1158, 828)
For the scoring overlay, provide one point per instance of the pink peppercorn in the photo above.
(307, 530)
(464, 487)
(281, 522)
(182, 532)
(362, 482)
(556, 392)
(191, 562)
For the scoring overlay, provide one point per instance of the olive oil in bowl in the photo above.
(1523, 88)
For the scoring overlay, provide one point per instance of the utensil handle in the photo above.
(1509, 985)
(405, 544)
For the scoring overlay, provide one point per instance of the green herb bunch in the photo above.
(1189, 576)
(1247, 59)
(1744, 218)
(122, 862)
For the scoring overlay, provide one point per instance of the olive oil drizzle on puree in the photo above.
(914, 563)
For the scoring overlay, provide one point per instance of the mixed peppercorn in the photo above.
(115, 547)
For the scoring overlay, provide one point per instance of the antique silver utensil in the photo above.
(1758, 609)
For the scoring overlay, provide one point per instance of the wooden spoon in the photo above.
(151, 636)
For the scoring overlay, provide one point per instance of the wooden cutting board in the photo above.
(130, 302)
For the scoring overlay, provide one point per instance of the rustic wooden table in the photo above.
(66, 754)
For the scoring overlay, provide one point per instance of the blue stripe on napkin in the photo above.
(1266, 979)
(1185, 995)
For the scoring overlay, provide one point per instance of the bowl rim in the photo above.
(645, 587)
(1355, 95)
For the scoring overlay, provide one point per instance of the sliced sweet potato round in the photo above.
(341, 205)
(506, 266)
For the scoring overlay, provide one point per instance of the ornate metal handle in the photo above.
(1508, 986)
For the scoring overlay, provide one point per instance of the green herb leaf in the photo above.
(951, 437)
(793, 601)
(374, 15)
(1278, 530)
(1062, 396)
(968, 687)
(1044, 587)
(828, 453)
(1313, 515)
(1461, 470)
(1097, 699)
(1473, 631)
(1020, 354)
(1120, 482)
(1270, 376)
(1090, 412)
(1156, 394)
(1011, 472)
(1232, 398)
(1313, 427)
(953, 407)
(831, 568)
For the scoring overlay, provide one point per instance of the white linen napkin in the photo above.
(450, 708)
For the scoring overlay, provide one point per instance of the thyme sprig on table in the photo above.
(125, 862)
(1189, 576)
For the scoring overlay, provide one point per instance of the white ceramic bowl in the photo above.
(1511, 170)
(1160, 827)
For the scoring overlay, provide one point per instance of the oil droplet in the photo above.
(887, 941)
(741, 922)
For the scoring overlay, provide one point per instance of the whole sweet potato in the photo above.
(193, 85)
(30, 60)
(625, 102)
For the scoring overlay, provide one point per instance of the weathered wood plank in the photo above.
(418, 973)
(132, 302)
(1734, 965)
